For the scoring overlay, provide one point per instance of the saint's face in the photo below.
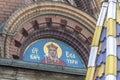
(53, 52)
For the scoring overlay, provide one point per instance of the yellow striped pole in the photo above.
(111, 59)
(118, 12)
(95, 42)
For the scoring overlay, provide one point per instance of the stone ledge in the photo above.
(38, 66)
(15, 73)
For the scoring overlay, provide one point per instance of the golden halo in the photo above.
(59, 50)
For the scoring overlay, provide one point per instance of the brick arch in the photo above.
(31, 12)
(50, 26)
(36, 9)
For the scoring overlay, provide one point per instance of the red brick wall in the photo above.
(7, 7)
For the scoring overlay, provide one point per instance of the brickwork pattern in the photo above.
(2, 39)
(7, 7)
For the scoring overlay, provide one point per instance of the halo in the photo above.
(59, 50)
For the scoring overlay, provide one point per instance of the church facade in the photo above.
(46, 39)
